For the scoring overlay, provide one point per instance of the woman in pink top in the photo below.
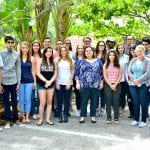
(112, 72)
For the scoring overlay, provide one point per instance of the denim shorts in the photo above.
(43, 88)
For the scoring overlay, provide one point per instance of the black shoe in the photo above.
(130, 116)
(60, 119)
(65, 118)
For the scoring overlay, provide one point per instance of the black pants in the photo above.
(112, 99)
(10, 90)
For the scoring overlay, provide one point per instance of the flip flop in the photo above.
(50, 122)
(39, 123)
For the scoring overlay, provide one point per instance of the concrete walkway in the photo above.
(76, 136)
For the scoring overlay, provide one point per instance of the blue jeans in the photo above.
(63, 95)
(86, 95)
(10, 90)
(25, 93)
(140, 98)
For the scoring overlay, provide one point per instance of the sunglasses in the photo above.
(10, 42)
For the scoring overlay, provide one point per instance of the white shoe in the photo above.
(78, 113)
(7, 126)
(134, 123)
(142, 124)
(1, 129)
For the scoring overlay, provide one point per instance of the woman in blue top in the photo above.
(139, 71)
(27, 81)
(88, 80)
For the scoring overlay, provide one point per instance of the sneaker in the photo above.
(7, 126)
(78, 113)
(1, 129)
(142, 124)
(134, 123)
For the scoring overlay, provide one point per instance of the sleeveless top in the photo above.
(26, 72)
(47, 72)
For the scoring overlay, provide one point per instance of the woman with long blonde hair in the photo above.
(64, 82)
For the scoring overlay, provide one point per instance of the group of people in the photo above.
(108, 76)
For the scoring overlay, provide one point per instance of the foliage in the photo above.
(116, 18)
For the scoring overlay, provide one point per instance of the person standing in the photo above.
(28, 81)
(64, 81)
(138, 72)
(88, 75)
(1, 89)
(112, 72)
(11, 75)
(123, 60)
(46, 73)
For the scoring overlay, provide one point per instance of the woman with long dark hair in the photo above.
(112, 72)
(101, 54)
(46, 72)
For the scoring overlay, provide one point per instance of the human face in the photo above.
(132, 52)
(139, 52)
(24, 49)
(46, 43)
(80, 50)
(120, 49)
(111, 56)
(89, 53)
(101, 46)
(67, 43)
(146, 45)
(87, 42)
(129, 40)
(59, 44)
(36, 47)
(9, 44)
(63, 52)
(48, 53)
(111, 44)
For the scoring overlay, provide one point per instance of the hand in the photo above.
(113, 87)
(77, 86)
(101, 85)
(17, 88)
(47, 84)
(137, 83)
(34, 86)
(1, 89)
(57, 86)
(68, 86)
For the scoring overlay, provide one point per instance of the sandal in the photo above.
(39, 123)
(50, 122)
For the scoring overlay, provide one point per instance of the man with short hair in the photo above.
(129, 42)
(46, 43)
(146, 44)
(11, 75)
(110, 42)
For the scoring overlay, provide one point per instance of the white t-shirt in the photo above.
(64, 72)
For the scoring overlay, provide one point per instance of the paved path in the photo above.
(75, 136)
